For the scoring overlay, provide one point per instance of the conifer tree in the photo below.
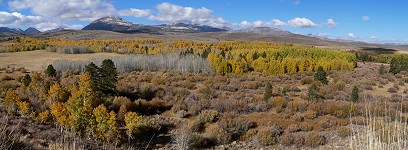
(354, 94)
(320, 75)
(268, 92)
(26, 80)
(313, 93)
(50, 71)
(108, 77)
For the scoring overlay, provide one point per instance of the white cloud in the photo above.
(373, 37)
(351, 35)
(135, 12)
(170, 13)
(87, 10)
(331, 23)
(302, 23)
(277, 22)
(365, 18)
(18, 19)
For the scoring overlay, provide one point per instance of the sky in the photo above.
(373, 21)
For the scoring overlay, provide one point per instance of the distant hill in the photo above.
(117, 24)
(28, 31)
(263, 31)
(11, 30)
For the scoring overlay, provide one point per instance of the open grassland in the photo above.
(40, 59)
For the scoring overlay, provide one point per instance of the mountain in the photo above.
(263, 31)
(189, 28)
(31, 31)
(11, 30)
(117, 24)
(57, 29)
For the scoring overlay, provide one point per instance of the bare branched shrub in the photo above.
(175, 62)
(9, 139)
(75, 50)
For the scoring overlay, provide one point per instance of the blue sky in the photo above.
(359, 20)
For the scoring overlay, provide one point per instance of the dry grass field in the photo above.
(40, 59)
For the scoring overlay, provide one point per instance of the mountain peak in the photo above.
(113, 20)
(31, 31)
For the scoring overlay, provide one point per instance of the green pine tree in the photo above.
(354, 94)
(50, 71)
(313, 93)
(93, 71)
(108, 77)
(26, 80)
(320, 75)
(268, 92)
(382, 70)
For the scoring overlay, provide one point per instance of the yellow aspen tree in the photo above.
(132, 123)
(101, 116)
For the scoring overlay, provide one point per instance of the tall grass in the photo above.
(387, 130)
(129, 63)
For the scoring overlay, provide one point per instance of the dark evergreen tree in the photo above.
(354, 94)
(268, 92)
(394, 66)
(26, 80)
(93, 71)
(320, 75)
(313, 93)
(50, 71)
(108, 77)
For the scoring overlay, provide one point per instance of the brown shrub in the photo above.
(287, 139)
(344, 131)
(310, 114)
(195, 126)
(297, 105)
(305, 126)
(293, 128)
(315, 139)
(392, 90)
(208, 116)
(221, 136)
(234, 125)
(269, 135)
(279, 102)
(298, 117)
(306, 80)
